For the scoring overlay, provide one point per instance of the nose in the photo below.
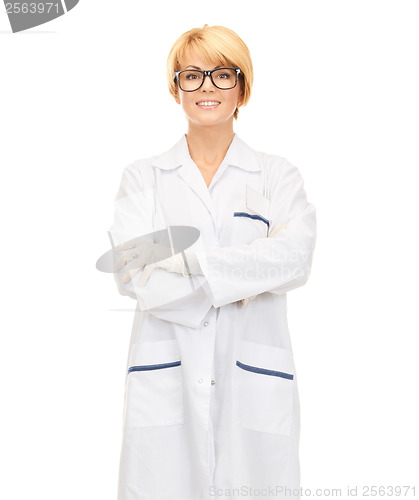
(207, 85)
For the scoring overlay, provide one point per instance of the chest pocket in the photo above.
(250, 217)
(154, 391)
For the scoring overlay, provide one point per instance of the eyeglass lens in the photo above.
(222, 78)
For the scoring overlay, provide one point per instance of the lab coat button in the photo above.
(206, 323)
(200, 380)
(212, 382)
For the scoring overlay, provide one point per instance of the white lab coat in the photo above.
(220, 417)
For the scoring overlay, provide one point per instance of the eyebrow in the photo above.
(198, 68)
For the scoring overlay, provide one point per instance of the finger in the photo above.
(128, 276)
(127, 245)
(138, 242)
(128, 259)
(248, 299)
(119, 262)
(138, 258)
(145, 275)
(137, 262)
(276, 230)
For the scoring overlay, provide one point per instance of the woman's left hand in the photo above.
(184, 263)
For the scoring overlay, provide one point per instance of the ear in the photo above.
(241, 93)
(177, 98)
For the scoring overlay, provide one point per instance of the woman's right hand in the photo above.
(132, 256)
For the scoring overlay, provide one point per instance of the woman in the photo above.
(211, 404)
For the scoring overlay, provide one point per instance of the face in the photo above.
(220, 104)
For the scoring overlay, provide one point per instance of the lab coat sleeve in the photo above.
(168, 296)
(277, 264)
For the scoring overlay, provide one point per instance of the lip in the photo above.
(208, 100)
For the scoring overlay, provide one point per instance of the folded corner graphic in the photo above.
(25, 15)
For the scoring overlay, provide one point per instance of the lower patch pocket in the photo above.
(154, 392)
(265, 387)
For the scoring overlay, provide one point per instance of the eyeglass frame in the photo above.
(207, 73)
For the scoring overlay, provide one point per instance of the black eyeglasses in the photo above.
(190, 80)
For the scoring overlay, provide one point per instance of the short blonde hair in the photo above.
(218, 44)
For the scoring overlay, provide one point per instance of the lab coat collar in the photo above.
(238, 155)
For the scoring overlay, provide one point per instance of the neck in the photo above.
(209, 145)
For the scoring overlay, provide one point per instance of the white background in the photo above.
(336, 93)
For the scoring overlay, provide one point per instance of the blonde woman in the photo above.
(211, 403)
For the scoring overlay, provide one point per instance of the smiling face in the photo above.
(209, 105)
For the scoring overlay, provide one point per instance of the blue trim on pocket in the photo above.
(142, 368)
(264, 371)
(251, 216)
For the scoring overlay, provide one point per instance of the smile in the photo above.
(208, 104)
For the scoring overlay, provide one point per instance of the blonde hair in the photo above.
(218, 44)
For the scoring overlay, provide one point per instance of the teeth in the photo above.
(208, 103)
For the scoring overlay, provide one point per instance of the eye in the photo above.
(191, 76)
(224, 74)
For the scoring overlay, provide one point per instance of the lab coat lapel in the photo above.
(192, 176)
(179, 159)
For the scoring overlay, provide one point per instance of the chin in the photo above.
(210, 120)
